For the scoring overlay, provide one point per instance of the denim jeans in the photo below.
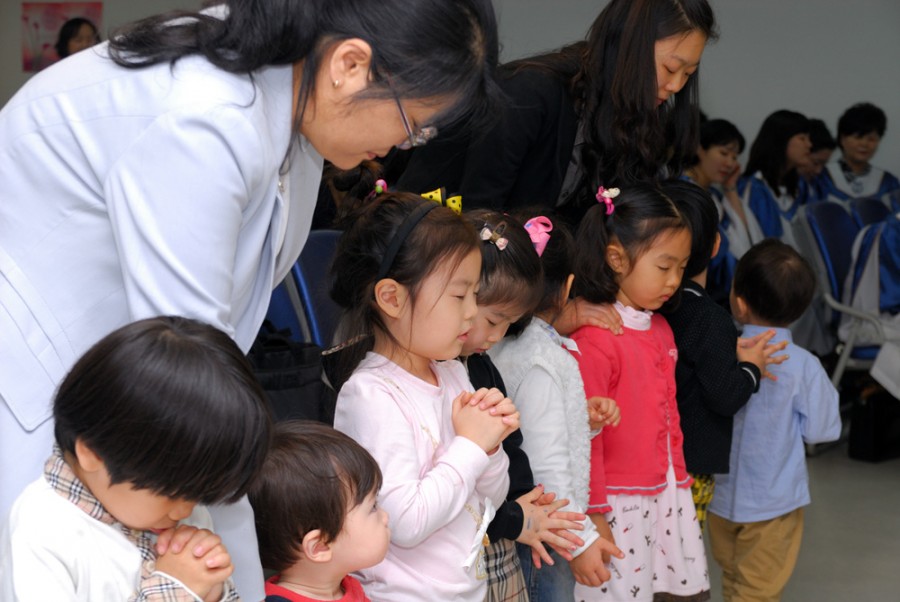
(548, 583)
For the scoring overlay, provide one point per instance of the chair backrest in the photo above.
(834, 231)
(893, 199)
(868, 211)
(284, 312)
(312, 274)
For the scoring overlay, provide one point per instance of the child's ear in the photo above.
(88, 460)
(616, 257)
(739, 308)
(315, 548)
(716, 246)
(566, 289)
(391, 297)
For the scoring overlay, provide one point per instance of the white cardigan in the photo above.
(543, 380)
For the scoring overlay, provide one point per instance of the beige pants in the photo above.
(757, 559)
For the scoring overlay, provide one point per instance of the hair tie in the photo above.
(403, 231)
(380, 188)
(495, 235)
(539, 229)
(439, 196)
(606, 196)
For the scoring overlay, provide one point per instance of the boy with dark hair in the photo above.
(756, 517)
(158, 416)
(853, 176)
(316, 515)
(714, 376)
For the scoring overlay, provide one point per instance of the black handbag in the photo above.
(291, 374)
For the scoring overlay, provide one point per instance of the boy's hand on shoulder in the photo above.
(759, 351)
(578, 312)
(197, 558)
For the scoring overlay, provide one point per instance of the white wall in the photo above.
(115, 13)
(813, 56)
(817, 57)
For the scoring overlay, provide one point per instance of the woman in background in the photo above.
(74, 35)
(617, 108)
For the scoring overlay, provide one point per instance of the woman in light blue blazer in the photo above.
(174, 170)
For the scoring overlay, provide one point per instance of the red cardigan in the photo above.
(637, 369)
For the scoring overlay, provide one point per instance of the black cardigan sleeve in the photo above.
(521, 160)
(509, 518)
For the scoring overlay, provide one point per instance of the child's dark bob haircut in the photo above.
(313, 476)
(508, 275)
(700, 212)
(776, 282)
(642, 213)
(170, 405)
(440, 236)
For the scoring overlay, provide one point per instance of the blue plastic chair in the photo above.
(285, 311)
(868, 211)
(834, 230)
(312, 276)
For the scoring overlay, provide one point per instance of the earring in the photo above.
(336, 83)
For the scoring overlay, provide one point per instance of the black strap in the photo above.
(400, 236)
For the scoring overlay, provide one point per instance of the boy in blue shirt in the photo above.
(756, 516)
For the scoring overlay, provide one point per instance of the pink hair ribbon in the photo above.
(606, 196)
(539, 229)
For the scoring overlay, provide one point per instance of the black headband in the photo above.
(400, 236)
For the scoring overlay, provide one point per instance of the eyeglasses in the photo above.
(419, 138)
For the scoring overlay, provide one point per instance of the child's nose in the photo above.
(385, 518)
(471, 307)
(181, 510)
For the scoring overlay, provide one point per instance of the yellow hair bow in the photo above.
(439, 196)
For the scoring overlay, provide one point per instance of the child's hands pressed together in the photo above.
(486, 427)
(603, 411)
(197, 558)
(759, 352)
(543, 523)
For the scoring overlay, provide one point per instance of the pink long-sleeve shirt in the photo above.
(435, 483)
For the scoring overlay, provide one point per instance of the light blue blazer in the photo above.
(131, 193)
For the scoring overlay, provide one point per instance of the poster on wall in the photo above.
(41, 25)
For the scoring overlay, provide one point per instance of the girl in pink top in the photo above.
(634, 246)
(406, 272)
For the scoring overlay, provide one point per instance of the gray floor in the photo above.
(851, 542)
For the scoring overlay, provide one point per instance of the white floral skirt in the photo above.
(663, 548)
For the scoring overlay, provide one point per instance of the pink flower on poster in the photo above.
(41, 22)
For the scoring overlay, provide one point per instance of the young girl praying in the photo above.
(511, 286)
(633, 248)
(406, 273)
(543, 377)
